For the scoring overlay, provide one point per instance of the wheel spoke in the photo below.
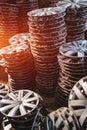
(31, 99)
(22, 110)
(69, 53)
(78, 103)
(13, 111)
(71, 46)
(27, 95)
(2, 86)
(30, 105)
(2, 91)
(12, 96)
(78, 93)
(20, 95)
(84, 86)
(78, 112)
(7, 101)
(5, 108)
(74, 44)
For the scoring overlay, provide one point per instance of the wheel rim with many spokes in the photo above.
(76, 49)
(19, 103)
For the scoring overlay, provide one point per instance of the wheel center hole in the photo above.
(20, 102)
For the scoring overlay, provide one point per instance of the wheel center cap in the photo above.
(20, 102)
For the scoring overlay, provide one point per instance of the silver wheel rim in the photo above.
(19, 103)
(77, 47)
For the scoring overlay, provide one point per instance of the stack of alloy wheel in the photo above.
(8, 22)
(8, 1)
(20, 38)
(21, 109)
(72, 59)
(62, 119)
(24, 7)
(78, 101)
(47, 33)
(5, 1)
(18, 63)
(76, 16)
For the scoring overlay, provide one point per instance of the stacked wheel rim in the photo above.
(78, 101)
(20, 39)
(63, 119)
(24, 8)
(8, 1)
(47, 32)
(75, 20)
(72, 60)
(76, 16)
(18, 63)
(8, 22)
(20, 108)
